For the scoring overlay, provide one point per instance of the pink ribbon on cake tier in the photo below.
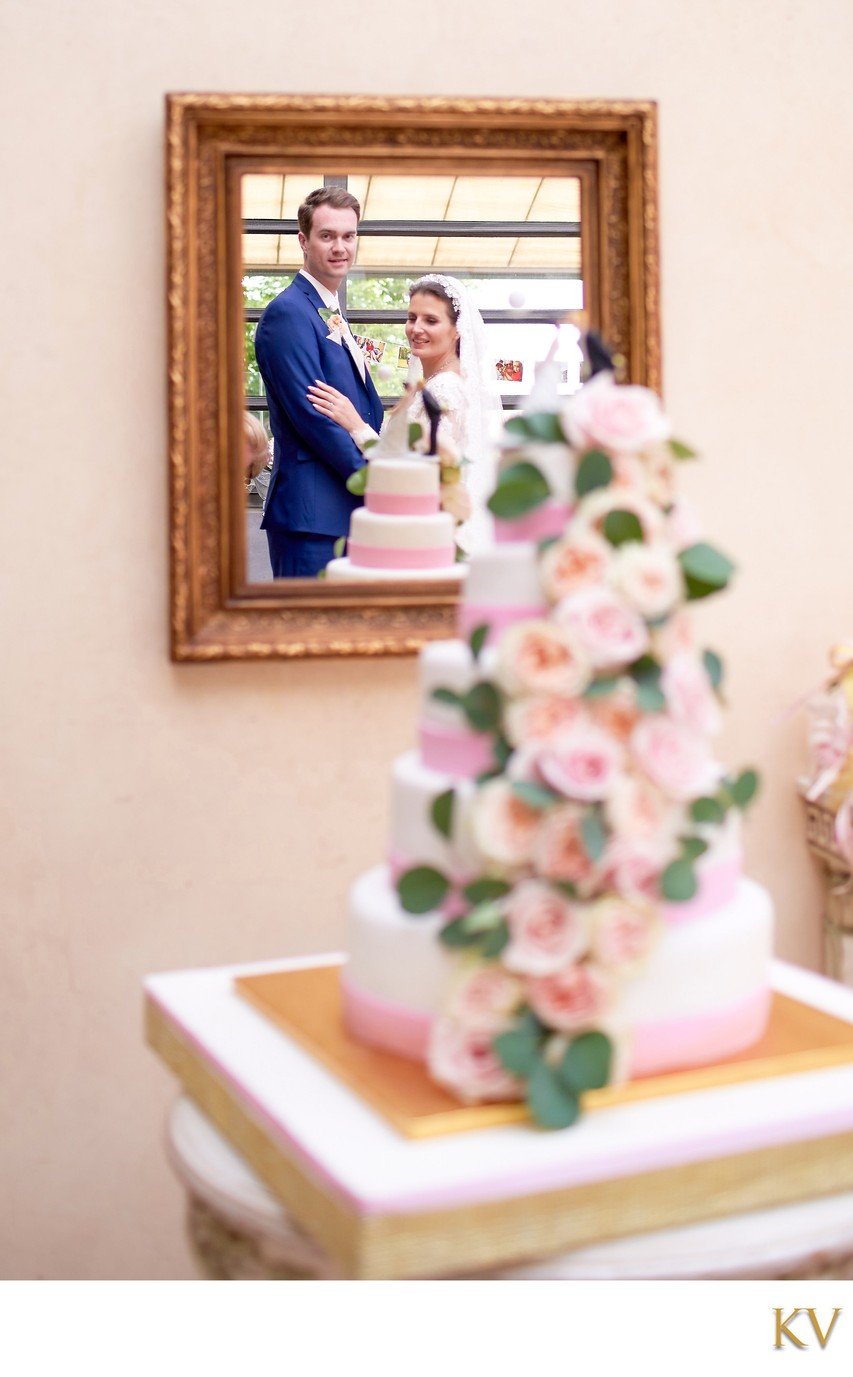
(402, 504)
(496, 617)
(455, 750)
(396, 557)
(727, 1031)
(544, 521)
(717, 885)
(381, 1023)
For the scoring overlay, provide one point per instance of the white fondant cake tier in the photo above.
(702, 995)
(383, 532)
(415, 477)
(503, 586)
(414, 838)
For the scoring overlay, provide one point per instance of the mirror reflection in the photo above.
(511, 249)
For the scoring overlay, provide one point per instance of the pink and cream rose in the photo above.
(676, 635)
(660, 474)
(673, 757)
(611, 633)
(616, 712)
(503, 827)
(648, 577)
(546, 930)
(558, 851)
(569, 564)
(456, 500)
(619, 419)
(689, 694)
(637, 809)
(463, 1060)
(623, 933)
(683, 526)
(575, 997)
(593, 511)
(537, 656)
(539, 716)
(485, 997)
(581, 762)
(632, 866)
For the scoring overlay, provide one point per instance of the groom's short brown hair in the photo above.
(336, 196)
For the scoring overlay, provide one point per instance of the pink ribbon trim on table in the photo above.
(380, 1023)
(707, 1037)
(402, 504)
(498, 618)
(547, 520)
(455, 750)
(394, 557)
(717, 886)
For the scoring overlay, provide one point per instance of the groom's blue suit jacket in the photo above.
(313, 456)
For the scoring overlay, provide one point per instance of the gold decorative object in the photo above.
(212, 142)
(306, 1004)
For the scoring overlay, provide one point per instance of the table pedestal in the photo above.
(240, 1232)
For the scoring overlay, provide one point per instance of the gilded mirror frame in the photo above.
(212, 140)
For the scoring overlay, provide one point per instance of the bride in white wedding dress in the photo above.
(447, 339)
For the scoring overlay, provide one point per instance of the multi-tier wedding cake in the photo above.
(403, 531)
(562, 903)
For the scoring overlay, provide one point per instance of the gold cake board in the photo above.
(307, 1005)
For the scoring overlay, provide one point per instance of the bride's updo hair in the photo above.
(435, 284)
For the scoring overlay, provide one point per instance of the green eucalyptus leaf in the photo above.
(501, 751)
(650, 698)
(536, 425)
(481, 919)
(593, 835)
(370, 444)
(621, 527)
(599, 688)
(517, 1050)
(482, 707)
(692, 847)
(415, 434)
(536, 796)
(679, 450)
(678, 881)
(485, 890)
(646, 670)
(552, 1103)
(706, 570)
(744, 788)
(357, 482)
(446, 695)
(497, 939)
(714, 667)
(707, 810)
(441, 812)
(477, 639)
(422, 889)
(520, 488)
(456, 936)
(594, 471)
(587, 1061)
(339, 546)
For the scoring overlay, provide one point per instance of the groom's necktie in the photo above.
(349, 341)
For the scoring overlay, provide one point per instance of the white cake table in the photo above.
(759, 1171)
(240, 1232)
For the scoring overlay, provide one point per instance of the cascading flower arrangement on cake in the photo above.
(601, 795)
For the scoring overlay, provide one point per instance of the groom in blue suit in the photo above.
(308, 506)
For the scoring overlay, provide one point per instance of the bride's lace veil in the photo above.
(481, 396)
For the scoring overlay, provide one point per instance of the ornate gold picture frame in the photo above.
(213, 141)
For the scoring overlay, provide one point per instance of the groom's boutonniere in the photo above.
(335, 322)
